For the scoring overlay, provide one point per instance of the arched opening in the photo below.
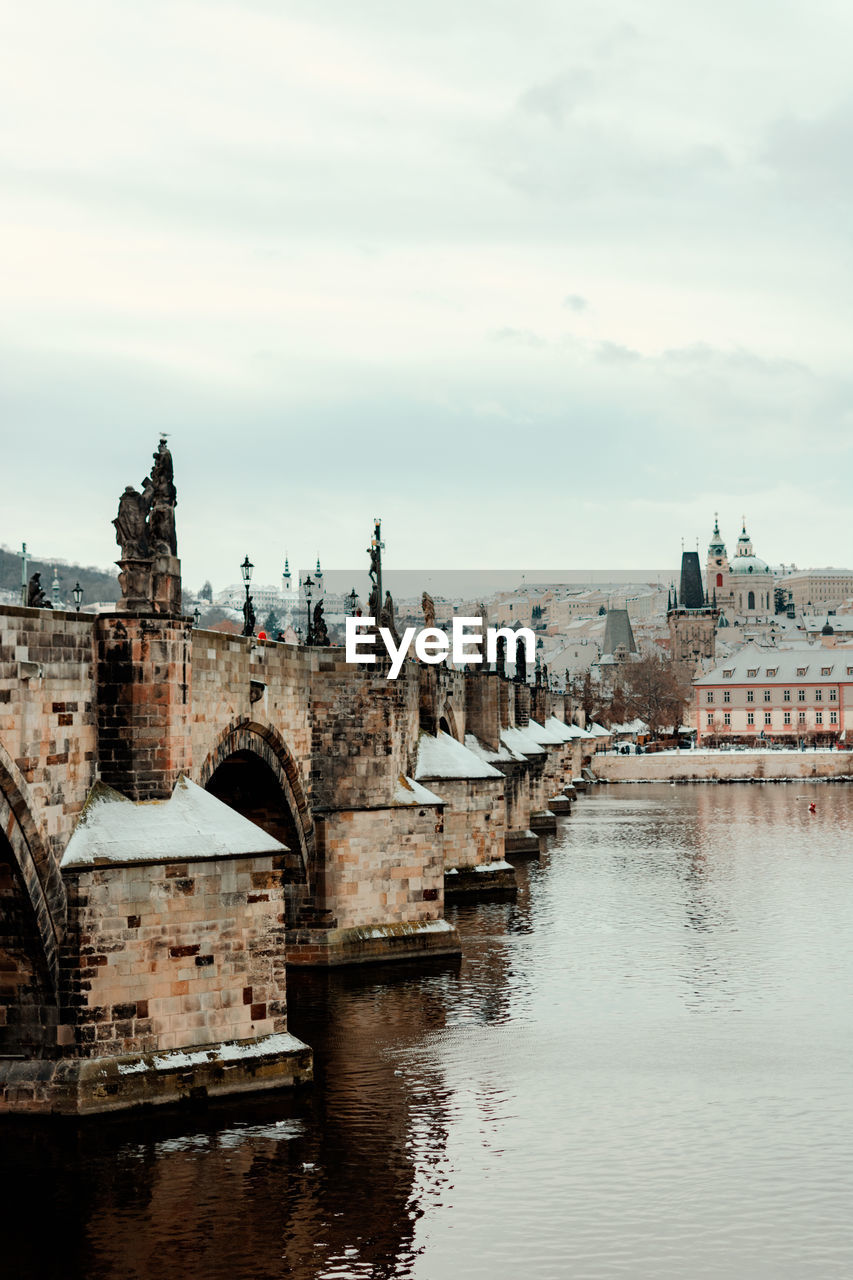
(750, 600)
(447, 721)
(28, 1008)
(248, 783)
(719, 579)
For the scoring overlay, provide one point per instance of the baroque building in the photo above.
(743, 585)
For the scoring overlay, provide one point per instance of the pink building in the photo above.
(788, 695)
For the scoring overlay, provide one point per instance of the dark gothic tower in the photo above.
(692, 621)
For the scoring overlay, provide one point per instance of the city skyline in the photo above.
(535, 286)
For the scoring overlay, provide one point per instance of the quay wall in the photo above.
(724, 766)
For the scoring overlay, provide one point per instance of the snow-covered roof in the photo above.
(443, 757)
(630, 726)
(562, 731)
(191, 825)
(482, 752)
(598, 731)
(810, 664)
(407, 791)
(544, 735)
(521, 742)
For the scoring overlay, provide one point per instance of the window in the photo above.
(750, 717)
(709, 696)
(801, 695)
(750, 600)
(850, 671)
(710, 719)
(787, 717)
(766, 695)
(768, 719)
(727, 695)
(752, 671)
(786, 695)
(818, 717)
(833, 717)
(719, 579)
(801, 671)
(818, 695)
(833, 695)
(727, 717)
(750, 695)
(727, 675)
(771, 671)
(801, 717)
(827, 671)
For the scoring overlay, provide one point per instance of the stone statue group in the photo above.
(145, 524)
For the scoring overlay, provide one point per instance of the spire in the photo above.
(716, 547)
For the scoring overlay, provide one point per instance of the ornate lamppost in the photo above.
(248, 609)
(352, 600)
(308, 588)
(78, 596)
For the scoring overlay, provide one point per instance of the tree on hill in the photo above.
(272, 624)
(206, 592)
(97, 584)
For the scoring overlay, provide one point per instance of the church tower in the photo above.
(692, 619)
(717, 568)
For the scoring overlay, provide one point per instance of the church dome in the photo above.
(748, 564)
(746, 561)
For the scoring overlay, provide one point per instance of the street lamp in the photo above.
(78, 596)
(248, 611)
(353, 602)
(308, 588)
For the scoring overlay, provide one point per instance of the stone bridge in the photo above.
(184, 813)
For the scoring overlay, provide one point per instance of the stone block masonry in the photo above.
(384, 888)
(172, 984)
(144, 702)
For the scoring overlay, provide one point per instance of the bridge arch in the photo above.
(32, 923)
(252, 769)
(448, 721)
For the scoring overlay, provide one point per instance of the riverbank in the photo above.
(725, 766)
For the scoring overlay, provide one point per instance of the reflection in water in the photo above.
(640, 1068)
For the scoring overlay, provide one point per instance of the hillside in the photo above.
(96, 583)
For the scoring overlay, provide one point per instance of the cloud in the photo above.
(574, 302)
(556, 99)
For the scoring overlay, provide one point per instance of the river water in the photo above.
(640, 1068)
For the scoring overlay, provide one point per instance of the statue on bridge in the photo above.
(386, 617)
(428, 606)
(36, 599)
(130, 525)
(319, 630)
(249, 618)
(150, 576)
(164, 499)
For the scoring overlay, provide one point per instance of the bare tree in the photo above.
(656, 690)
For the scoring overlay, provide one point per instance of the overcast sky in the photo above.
(540, 283)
